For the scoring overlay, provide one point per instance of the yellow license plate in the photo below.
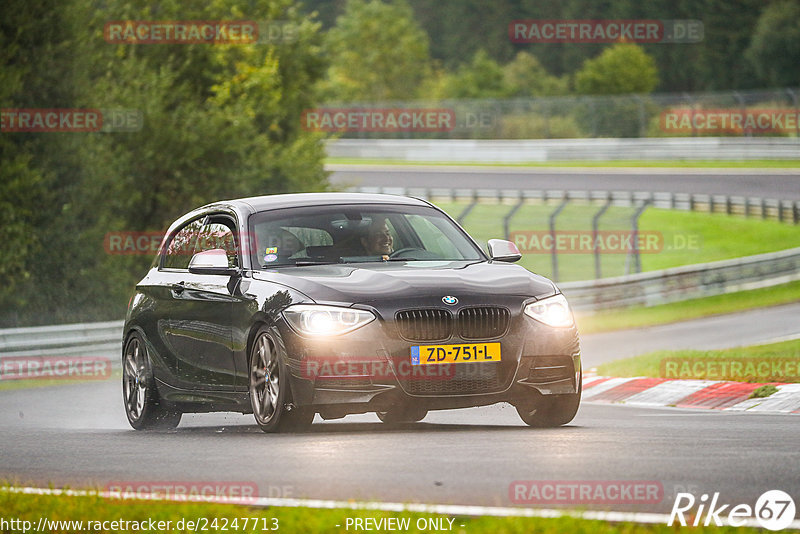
(432, 354)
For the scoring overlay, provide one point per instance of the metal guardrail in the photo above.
(68, 339)
(683, 283)
(542, 150)
(764, 208)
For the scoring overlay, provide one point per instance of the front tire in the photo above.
(269, 386)
(551, 410)
(402, 414)
(143, 407)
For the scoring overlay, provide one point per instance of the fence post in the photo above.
(691, 112)
(463, 214)
(635, 238)
(546, 115)
(793, 96)
(747, 132)
(595, 231)
(507, 218)
(552, 223)
(642, 116)
(594, 117)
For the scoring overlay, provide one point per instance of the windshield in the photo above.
(356, 234)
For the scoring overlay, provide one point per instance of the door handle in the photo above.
(178, 288)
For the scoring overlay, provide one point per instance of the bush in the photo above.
(537, 126)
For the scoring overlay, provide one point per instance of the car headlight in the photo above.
(319, 320)
(552, 311)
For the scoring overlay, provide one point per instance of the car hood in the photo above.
(368, 282)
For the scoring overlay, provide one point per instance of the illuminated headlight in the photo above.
(319, 320)
(552, 311)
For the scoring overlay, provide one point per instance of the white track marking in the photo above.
(440, 509)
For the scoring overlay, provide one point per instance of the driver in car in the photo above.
(378, 240)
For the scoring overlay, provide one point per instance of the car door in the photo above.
(199, 327)
(165, 289)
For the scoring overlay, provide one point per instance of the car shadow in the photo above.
(370, 428)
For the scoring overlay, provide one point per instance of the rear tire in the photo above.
(402, 414)
(143, 407)
(269, 386)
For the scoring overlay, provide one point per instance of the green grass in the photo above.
(764, 391)
(9, 385)
(32, 508)
(705, 164)
(651, 364)
(686, 237)
(610, 320)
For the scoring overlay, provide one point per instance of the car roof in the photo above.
(268, 202)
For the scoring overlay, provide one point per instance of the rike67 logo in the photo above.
(774, 510)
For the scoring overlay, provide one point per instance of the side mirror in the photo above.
(502, 250)
(214, 261)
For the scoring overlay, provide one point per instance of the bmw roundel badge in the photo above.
(449, 300)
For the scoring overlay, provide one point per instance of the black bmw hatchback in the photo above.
(288, 306)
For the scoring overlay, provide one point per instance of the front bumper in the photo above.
(370, 370)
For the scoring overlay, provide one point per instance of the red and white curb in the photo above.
(708, 394)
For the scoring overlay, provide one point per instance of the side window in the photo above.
(181, 247)
(218, 235)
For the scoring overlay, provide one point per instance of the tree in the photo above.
(481, 78)
(220, 121)
(459, 29)
(38, 42)
(525, 76)
(622, 68)
(774, 50)
(729, 25)
(377, 52)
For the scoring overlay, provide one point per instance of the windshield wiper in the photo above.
(304, 262)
